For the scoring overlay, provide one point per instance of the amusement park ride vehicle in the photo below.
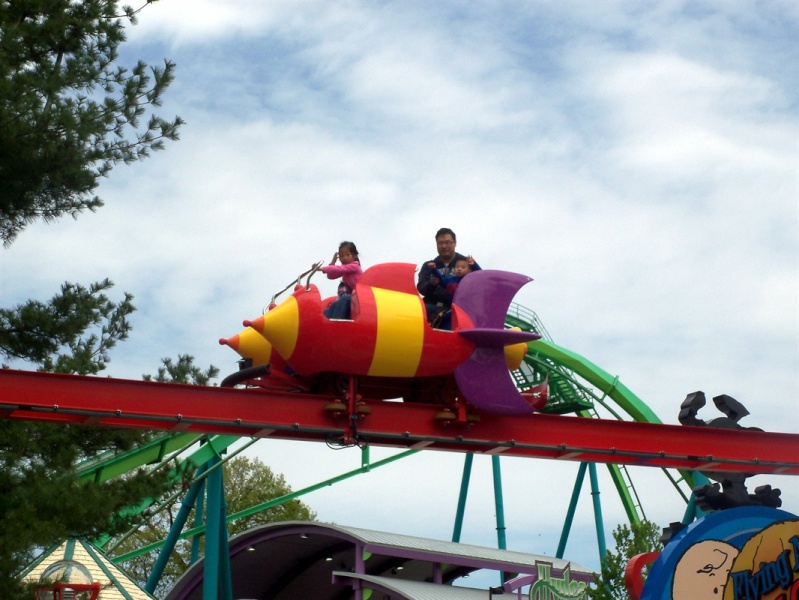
(389, 350)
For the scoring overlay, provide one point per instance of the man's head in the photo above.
(445, 243)
(462, 267)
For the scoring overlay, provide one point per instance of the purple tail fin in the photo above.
(483, 379)
(486, 296)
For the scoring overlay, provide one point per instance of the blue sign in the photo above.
(746, 553)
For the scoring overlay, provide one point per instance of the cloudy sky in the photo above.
(639, 160)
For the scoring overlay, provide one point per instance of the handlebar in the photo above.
(310, 273)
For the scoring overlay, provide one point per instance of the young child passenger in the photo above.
(350, 271)
(463, 266)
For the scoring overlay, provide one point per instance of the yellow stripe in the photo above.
(281, 326)
(400, 334)
(253, 345)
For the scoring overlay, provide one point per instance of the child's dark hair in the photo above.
(351, 247)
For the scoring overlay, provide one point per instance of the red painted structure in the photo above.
(292, 416)
(633, 573)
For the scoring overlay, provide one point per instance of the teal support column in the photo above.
(174, 533)
(213, 531)
(225, 580)
(499, 504)
(692, 511)
(600, 527)
(199, 517)
(567, 524)
(467, 473)
(500, 508)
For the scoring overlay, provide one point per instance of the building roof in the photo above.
(412, 590)
(116, 585)
(297, 559)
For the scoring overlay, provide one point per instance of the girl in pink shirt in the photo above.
(350, 271)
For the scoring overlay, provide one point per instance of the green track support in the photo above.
(578, 385)
(109, 466)
(567, 524)
(467, 474)
(214, 524)
(172, 538)
(210, 448)
(266, 505)
(600, 527)
(499, 504)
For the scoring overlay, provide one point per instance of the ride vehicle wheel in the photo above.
(445, 416)
(335, 407)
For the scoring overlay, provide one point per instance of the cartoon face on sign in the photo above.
(702, 571)
(744, 553)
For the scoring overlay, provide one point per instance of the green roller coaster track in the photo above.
(576, 386)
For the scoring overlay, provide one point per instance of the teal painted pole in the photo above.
(174, 533)
(600, 528)
(692, 511)
(212, 532)
(198, 520)
(499, 504)
(690, 514)
(500, 508)
(225, 578)
(567, 524)
(365, 462)
(467, 473)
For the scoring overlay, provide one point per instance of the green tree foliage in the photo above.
(636, 539)
(68, 111)
(72, 333)
(68, 114)
(41, 497)
(248, 483)
(183, 371)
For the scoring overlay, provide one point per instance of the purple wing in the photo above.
(483, 379)
(485, 383)
(486, 296)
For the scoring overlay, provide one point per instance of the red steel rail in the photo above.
(292, 416)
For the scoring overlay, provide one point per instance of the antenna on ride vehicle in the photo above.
(315, 268)
(310, 272)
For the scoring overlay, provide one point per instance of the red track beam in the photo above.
(284, 415)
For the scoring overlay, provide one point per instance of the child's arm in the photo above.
(332, 262)
(336, 271)
(433, 271)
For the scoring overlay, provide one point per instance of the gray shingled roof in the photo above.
(467, 552)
